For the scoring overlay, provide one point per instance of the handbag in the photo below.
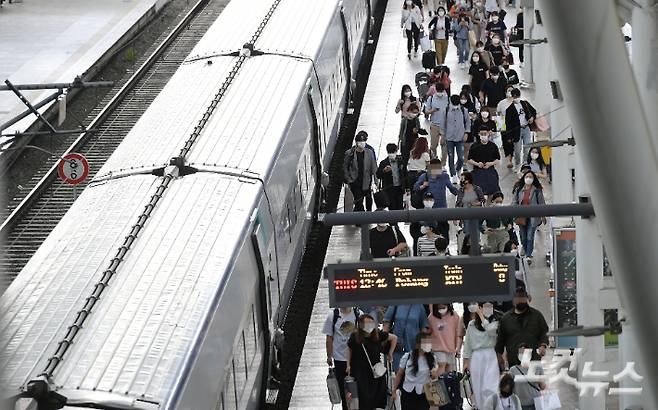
(436, 393)
(378, 370)
(332, 387)
(466, 387)
(540, 124)
(548, 401)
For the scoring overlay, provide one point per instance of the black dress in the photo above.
(372, 392)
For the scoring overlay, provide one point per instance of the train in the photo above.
(165, 284)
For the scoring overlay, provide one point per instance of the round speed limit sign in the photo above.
(73, 168)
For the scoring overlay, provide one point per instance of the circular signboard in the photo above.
(73, 168)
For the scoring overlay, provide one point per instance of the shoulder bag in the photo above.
(405, 253)
(436, 393)
(378, 370)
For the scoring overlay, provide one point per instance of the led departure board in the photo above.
(421, 280)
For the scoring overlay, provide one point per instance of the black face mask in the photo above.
(462, 183)
(521, 307)
(505, 394)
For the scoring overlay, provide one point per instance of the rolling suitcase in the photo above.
(429, 59)
(452, 382)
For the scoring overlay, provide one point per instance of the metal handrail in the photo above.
(105, 112)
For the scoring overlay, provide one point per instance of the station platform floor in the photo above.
(390, 70)
(45, 41)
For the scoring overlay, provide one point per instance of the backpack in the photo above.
(357, 314)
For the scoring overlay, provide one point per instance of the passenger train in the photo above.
(165, 284)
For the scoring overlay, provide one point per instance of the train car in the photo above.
(165, 284)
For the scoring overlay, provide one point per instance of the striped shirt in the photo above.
(426, 246)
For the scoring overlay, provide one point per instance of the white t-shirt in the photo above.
(419, 164)
(491, 6)
(414, 382)
(523, 119)
(341, 333)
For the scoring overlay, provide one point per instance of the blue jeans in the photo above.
(527, 232)
(526, 137)
(452, 147)
(463, 47)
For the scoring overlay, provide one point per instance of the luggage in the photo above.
(452, 381)
(332, 387)
(351, 393)
(429, 59)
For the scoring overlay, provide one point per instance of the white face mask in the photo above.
(392, 156)
(487, 311)
(369, 327)
(528, 181)
(496, 41)
(382, 225)
(443, 311)
(441, 94)
(407, 94)
(508, 94)
(480, 49)
(495, 19)
(426, 347)
(534, 155)
(463, 101)
(423, 229)
(485, 114)
(494, 77)
(361, 144)
(484, 139)
(473, 308)
(428, 204)
(497, 204)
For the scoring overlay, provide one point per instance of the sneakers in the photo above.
(528, 260)
(409, 56)
(415, 54)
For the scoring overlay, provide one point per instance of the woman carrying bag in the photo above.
(364, 362)
(417, 367)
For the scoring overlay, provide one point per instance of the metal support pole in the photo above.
(474, 237)
(30, 106)
(365, 243)
(612, 135)
(51, 86)
(454, 214)
(25, 113)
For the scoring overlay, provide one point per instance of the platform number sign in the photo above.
(73, 168)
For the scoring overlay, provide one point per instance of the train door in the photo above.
(347, 40)
(268, 290)
(322, 181)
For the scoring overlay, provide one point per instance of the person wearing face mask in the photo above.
(416, 367)
(493, 88)
(477, 72)
(523, 324)
(519, 116)
(460, 28)
(458, 125)
(338, 327)
(467, 100)
(393, 177)
(484, 156)
(510, 74)
(484, 119)
(505, 399)
(439, 29)
(406, 322)
(478, 19)
(528, 191)
(479, 355)
(416, 228)
(386, 241)
(436, 107)
(436, 181)
(411, 22)
(364, 347)
(447, 332)
(425, 246)
(525, 389)
(497, 229)
(496, 27)
(485, 56)
(507, 137)
(536, 162)
(360, 171)
(470, 195)
(497, 50)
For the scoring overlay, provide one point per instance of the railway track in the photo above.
(34, 215)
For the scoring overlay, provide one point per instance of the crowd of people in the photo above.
(458, 151)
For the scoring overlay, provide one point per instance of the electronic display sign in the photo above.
(422, 280)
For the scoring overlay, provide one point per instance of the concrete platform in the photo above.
(55, 41)
(392, 69)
